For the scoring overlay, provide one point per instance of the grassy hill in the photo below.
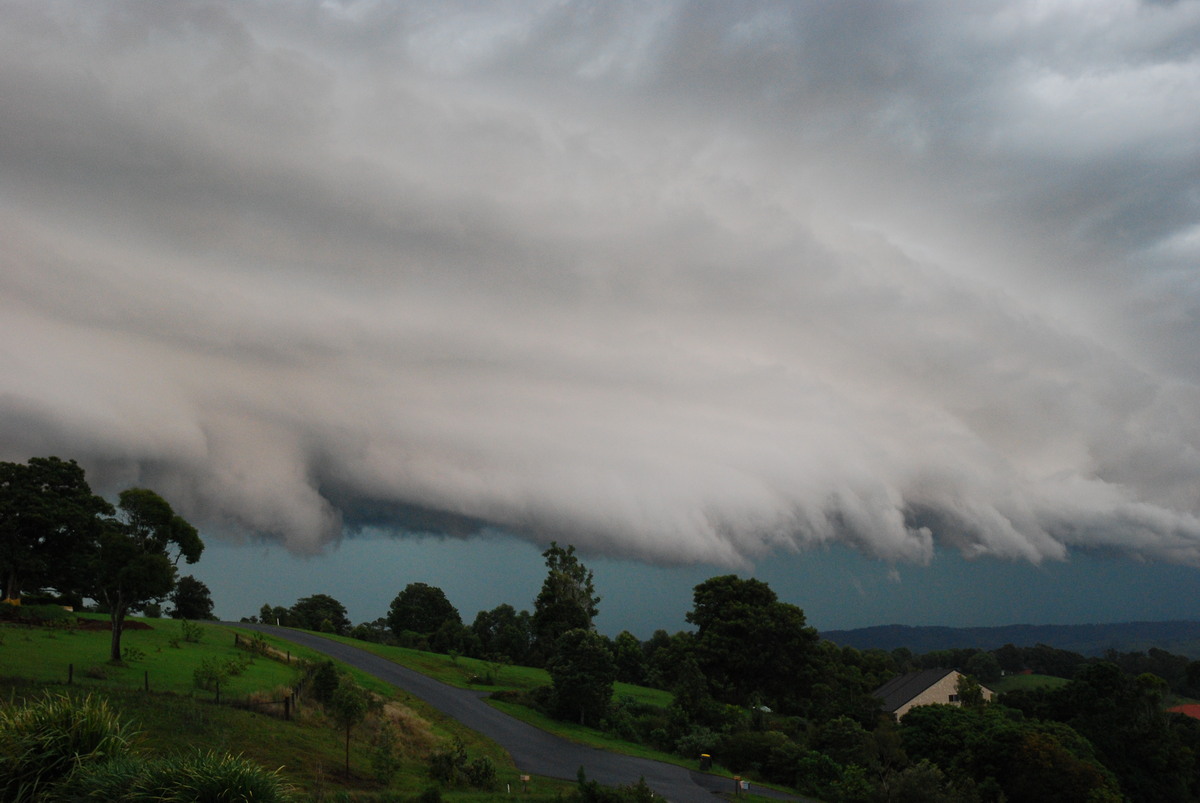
(175, 716)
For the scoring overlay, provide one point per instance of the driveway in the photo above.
(533, 750)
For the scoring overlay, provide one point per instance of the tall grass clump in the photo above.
(198, 778)
(45, 740)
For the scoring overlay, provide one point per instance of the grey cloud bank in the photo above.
(682, 283)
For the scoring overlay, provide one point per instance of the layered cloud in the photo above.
(679, 282)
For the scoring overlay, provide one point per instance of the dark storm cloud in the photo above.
(686, 282)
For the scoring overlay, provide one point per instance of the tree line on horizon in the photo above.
(757, 689)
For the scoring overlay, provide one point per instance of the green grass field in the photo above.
(158, 656)
(1015, 682)
(177, 717)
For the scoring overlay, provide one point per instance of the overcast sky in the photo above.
(697, 287)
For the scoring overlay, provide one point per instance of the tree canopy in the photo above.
(319, 612)
(421, 608)
(582, 671)
(503, 633)
(192, 599)
(137, 552)
(751, 646)
(567, 601)
(48, 518)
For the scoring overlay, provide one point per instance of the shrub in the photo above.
(35, 614)
(237, 665)
(113, 779)
(450, 766)
(748, 750)
(64, 624)
(481, 773)
(593, 792)
(384, 761)
(696, 741)
(41, 742)
(211, 673)
(192, 632)
(447, 764)
(325, 680)
(202, 778)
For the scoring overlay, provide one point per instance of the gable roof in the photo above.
(898, 691)
(1190, 710)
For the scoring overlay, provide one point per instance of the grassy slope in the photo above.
(165, 659)
(466, 673)
(460, 672)
(177, 717)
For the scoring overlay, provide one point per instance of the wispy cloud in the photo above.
(686, 282)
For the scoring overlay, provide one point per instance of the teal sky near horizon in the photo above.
(836, 587)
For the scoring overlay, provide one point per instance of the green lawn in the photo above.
(158, 656)
(1024, 682)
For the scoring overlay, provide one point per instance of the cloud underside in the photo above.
(680, 283)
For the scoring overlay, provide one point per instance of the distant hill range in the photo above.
(1180, 638)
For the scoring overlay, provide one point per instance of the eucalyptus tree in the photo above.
(133, 562)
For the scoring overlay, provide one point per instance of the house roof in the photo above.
(898, 691)
(1191, 710)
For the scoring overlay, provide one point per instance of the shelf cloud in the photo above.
(679, 282)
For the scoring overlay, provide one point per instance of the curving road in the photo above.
(533, 750)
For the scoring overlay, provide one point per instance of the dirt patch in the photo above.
(77, 624)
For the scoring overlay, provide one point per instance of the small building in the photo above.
(927, 687)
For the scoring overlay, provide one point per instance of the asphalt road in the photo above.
(534, 751)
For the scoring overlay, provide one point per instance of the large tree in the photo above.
(49, 519)
(582, 671)
(135, 561)
(320, 612)
(630, 658)
(503, 633)
(192, 599)
(751, 646)
(567, 600)
(422, 609)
